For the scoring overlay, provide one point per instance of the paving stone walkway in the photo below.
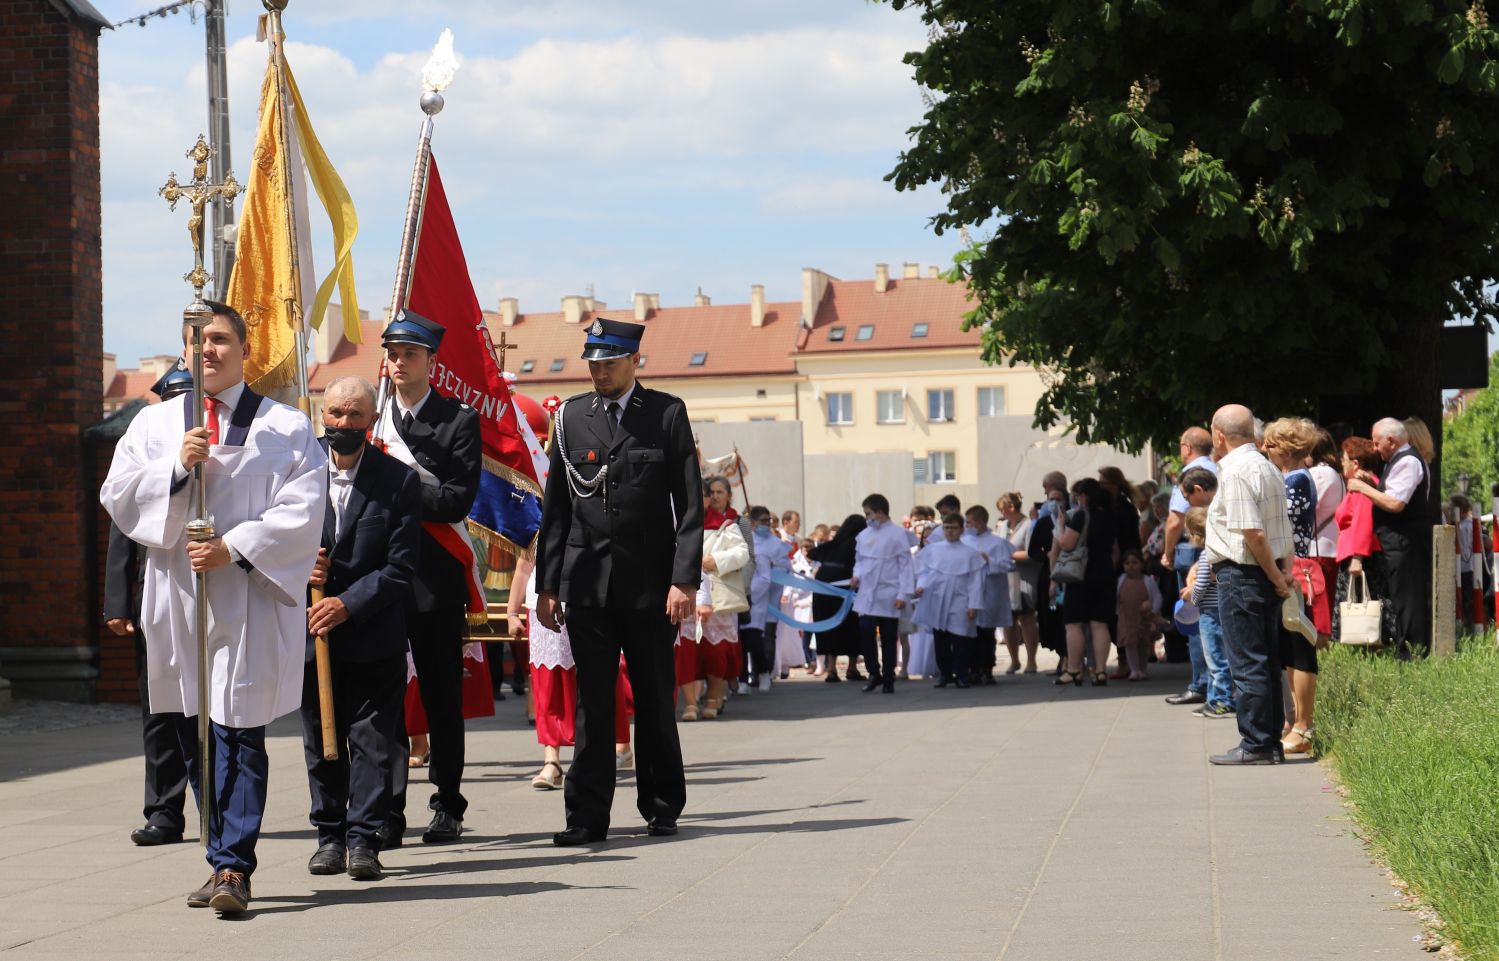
(1021, 822)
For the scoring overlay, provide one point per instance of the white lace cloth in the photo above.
(548, 648)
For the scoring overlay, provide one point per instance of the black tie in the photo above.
(611, 411)
(406, 420)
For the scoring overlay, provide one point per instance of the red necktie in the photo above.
(211, 418)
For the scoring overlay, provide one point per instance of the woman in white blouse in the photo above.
(1015, 527)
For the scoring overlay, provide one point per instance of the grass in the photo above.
(1417, 747)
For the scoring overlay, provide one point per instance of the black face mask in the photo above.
(344, 440)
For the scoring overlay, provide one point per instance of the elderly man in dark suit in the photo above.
(438, 437)
(621, 547)
(371, 533)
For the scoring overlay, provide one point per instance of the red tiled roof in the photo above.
(357, 360)
(722, 332)
(672, 336)
(852, 304)
(131, 384)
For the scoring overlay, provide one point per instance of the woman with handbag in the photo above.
(1362, 614)
(1289, 443)
(1084, 570)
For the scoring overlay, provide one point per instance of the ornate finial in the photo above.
(438, 73)
(199, 193)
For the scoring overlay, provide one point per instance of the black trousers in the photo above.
(985, 656)
(166, 768)
(645, 636)
(351, 796)
(954, 655)
(1410, 593)
(437, 650)
(759, 645)
(888, 629)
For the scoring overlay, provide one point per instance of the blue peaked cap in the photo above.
(612, 338)
(178, 380)
(410, 328)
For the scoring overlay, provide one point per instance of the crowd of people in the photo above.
(1095, 569)
(651, 595)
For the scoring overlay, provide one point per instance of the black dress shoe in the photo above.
(832, 678)
(873, 685)
(364, 864)
(1187, 697)
(200, 897)
(963, 682)
(328, 859)
(1240, 756)
(389, 837)
(888, 687)
(942, 683)
(853, 675)
(575, 837)
(661, 829)
(444, 829)
(154, 834)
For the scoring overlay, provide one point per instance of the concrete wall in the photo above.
(837, 483)
(1013, 456)
(772, 452)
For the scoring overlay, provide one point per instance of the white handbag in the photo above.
(1360, 617)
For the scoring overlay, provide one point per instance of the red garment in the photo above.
(1356, 537)
(686, 659)
(557, 705)
(478, 696)
(713, 520)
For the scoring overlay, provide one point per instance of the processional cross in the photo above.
(199, 193)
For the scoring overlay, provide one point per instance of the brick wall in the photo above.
(117, 676)
(51, 316)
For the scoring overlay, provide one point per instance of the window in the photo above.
(939, 406)
(920, 465)
(866, 332)
(919, 331)
(698, 359)
(558, 364)
(840, 408)
(890, 407)
(835, 334)
(760, 392)
(991, 401)
(942, 467)
(526, 366)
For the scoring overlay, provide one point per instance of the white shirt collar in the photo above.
(229, 397)
(345, 476)
(415, 408)
(623, 400)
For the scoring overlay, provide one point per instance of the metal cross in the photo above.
(503, 346)
(199, 193)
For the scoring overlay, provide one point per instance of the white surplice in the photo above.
(267, 500)
(882, 565)
(951, 577)
(998, 563)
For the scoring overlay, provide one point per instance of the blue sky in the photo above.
(659, 145)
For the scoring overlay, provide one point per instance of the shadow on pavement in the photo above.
(384, 891)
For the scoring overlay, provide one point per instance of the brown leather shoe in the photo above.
(231, 893)
(200, 897)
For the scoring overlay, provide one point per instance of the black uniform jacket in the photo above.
(623, 548)
(124, 575)
(444, 439)
(372, 558)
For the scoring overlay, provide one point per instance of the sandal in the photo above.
(711, 709)
(543, 783)
(418, 760)
(1302, 746)
(1100, 679)
(1065, 678)
(689, 713)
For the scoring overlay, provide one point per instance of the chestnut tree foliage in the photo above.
(1178, 205)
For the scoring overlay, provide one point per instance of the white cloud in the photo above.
(655, 161)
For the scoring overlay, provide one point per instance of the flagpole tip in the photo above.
(432, 103)
(279, 6)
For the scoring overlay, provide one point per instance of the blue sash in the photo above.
(787, 579)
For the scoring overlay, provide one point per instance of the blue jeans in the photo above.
(1249, 610)
(1185, 561)
(1220, 678)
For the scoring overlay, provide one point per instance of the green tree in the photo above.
(1470, 443)
(1178, 205)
